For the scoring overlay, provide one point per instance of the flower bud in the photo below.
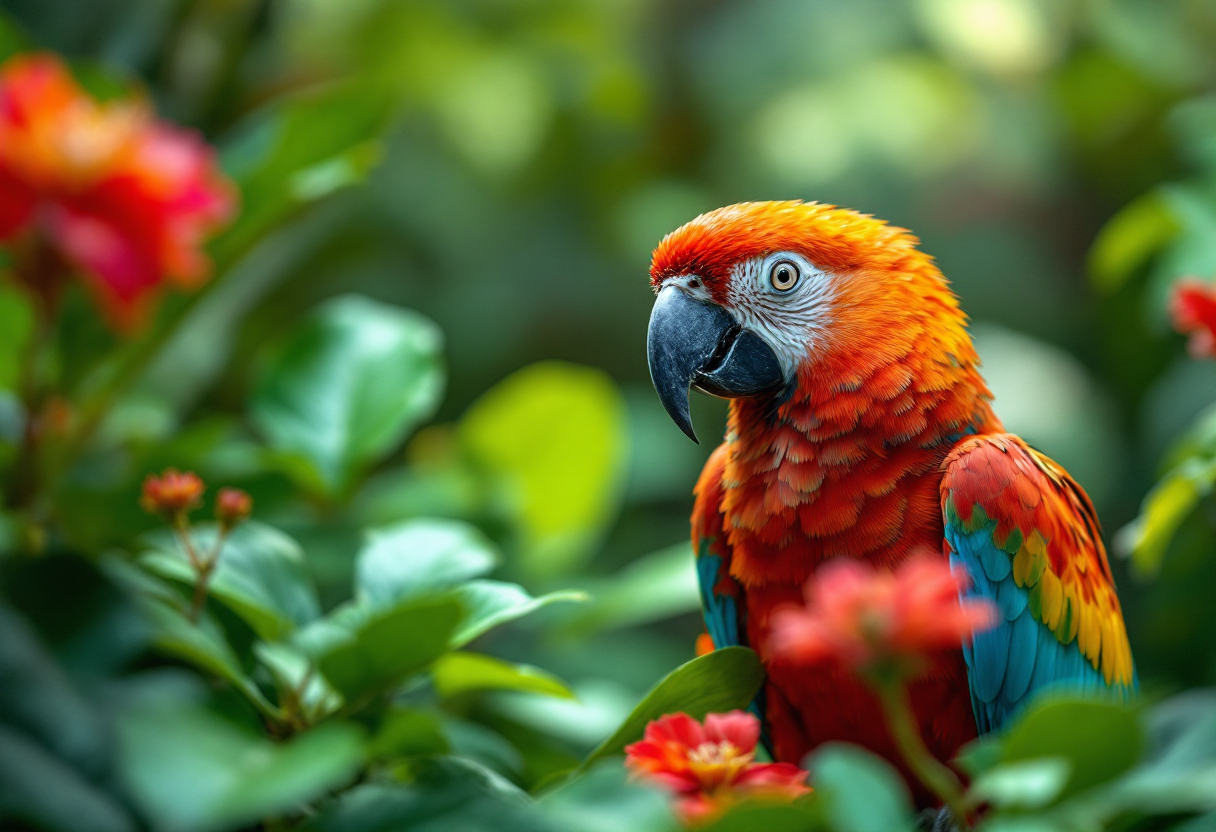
(232, 505)
(173, 494)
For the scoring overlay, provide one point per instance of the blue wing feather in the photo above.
(1019, 657)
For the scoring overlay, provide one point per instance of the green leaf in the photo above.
(409, 732)
(42, 790)
(419, 557)
(723, 680)
(754, 815)
(301, 688)
(979, 755)
(347, 387)
(261, 575)
(491, 603)
(296, 151)
(191, 770)
(389, 646)
(555, 436)
(1028, 784)
(606, 799)
(457, 673)
(654, 587)
(861, 792)
(1146, 539)
(200, 643)
(1129, 239)
(448, 793)
(1099, 740)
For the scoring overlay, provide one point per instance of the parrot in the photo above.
(861, 427)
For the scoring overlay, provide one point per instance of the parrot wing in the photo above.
(1029, 539)
(721, 600)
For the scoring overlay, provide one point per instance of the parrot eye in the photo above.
(783, 276)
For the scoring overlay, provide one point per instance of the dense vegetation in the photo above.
(464, 587)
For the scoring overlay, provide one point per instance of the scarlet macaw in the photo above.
(860, 427)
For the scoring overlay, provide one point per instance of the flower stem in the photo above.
(927, 768)
(203, 566)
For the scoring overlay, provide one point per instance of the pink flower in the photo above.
(865, 618)
(1192, 307)
(711, 766)
(124, 199)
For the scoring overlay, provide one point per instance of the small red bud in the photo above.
(172, 494)
(232, 505)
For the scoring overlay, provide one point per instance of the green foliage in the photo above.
(346, 388)
(552, 435)
(388, 646)
(1096, 742)
(861, 792)
(724, 680)
(191, 770)
(261, 575)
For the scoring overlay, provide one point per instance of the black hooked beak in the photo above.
(696, 344)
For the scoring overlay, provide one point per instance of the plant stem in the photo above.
(927, 768)
(203, 566)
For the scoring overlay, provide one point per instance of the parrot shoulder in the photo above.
(1028, 537)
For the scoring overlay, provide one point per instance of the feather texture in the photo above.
(1027, 536)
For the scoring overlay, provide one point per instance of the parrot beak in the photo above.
(691, 343)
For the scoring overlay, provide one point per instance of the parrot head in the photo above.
(775, 299)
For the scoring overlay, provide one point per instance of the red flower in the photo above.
(863, 618)
(172, 494)
(125, 199)
(1193, 309)
(232, 505)
(711, 766)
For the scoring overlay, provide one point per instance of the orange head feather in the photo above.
(882, 297)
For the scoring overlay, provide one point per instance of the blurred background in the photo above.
(521, 158)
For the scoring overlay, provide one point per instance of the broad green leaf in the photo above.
(448, 793)
(409, 732)
(723, 680)
(1027, 784)
(346, 388)
(860, 791)
(1098, 740)
(41, 790)
(418, 557)
(389, 646)
(53, 742)
(555, 436)
(606, 799)
(261, 575)
(200, 643)
(1129, 239)
(191, 770)
(756, 815)
(979, 755)
(654, 587)
(1171, 500)
(296, 151)
(302, 691)
(488, 604)
(457, 673)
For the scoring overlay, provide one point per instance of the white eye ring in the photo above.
(783, 276)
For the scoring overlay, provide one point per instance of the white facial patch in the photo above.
(790, 322)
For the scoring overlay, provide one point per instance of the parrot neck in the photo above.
(850, 467)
